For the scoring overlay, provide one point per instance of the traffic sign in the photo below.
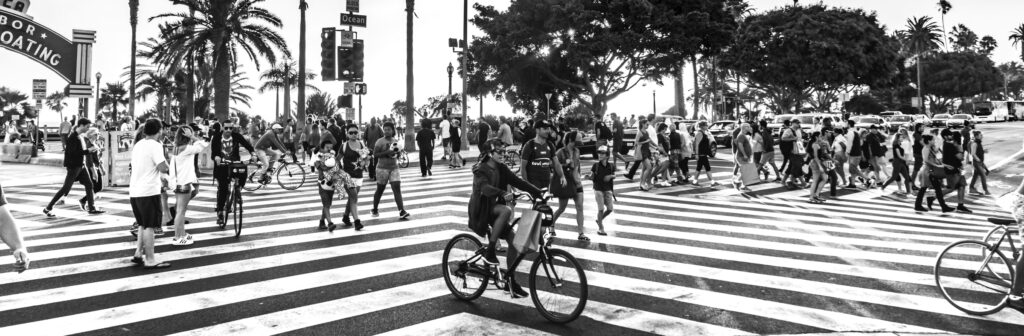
(352, 6)
(915, 101)
(350, 113)
(347, 38)
(350, 88)
(353, 20)
(38, 89)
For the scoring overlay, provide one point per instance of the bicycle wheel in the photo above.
(973, 283)
(236, 204)
(252, 182)
(558, 286)
(463, 267)
(291, 176)
(403, 160)
(512, 161)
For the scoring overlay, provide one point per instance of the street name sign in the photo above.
(347, 38)
(353, 20)
(38, 89)
(352, 6)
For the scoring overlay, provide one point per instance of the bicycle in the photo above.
(978, 289)
(233, 205)
(290, 175)
(403, 159)
(466, 274)
(510, 158)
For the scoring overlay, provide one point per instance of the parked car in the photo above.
(957, 120)
(895, 122)
(722, 131)
(887, 114)
(868, 120)
(921, 119)
(776, 124)
(588, 143)
(939, 120)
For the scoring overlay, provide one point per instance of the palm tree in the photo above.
(220, 28)
(113, 95)
(55, 101)
(987, 45)
(1017, 37)
(320, 104)
(944, 8)
(921, 35)
(133, 7)
(283, 76)
(11, 97)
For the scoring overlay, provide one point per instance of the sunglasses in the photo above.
(353, 133)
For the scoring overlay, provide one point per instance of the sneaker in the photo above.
(517, 291)
(48, 213)
(374, 213)
(95, 211)
(490, 257)
(715, 184)
(82, 205)
(359, 225)
(159, 231)
(1016, 303)
(220, 219)
(135, 229)
(403, 215)
(183, 241)
(960, 208)
(665, 184)
(345, 222)
(430, 173)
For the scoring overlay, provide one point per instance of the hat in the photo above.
(873, 126)
(602, 149)
(276, 126)
(542, 124)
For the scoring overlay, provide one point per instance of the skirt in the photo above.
(569, 190)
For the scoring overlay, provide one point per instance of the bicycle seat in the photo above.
(1002, 221)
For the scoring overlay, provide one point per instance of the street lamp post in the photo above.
(548, 102)
(654, 103)
(98, 76)
(451, 70)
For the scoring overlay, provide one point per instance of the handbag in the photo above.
(748, 173)
(829, 165)
(936, 172)
(527, 237)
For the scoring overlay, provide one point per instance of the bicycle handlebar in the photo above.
(526, 196)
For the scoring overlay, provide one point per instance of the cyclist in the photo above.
(269, 149)
(1014, 201)
(224, 147)
(488, 205)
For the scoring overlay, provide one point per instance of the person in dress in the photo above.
(187, 144)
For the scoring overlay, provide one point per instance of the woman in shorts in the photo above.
(354, 158)
(187, 144)
(569, 157)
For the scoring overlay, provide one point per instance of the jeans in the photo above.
(426, 159)
(75, 174)
(266, 157)
(937, 185)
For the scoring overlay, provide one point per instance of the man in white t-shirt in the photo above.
(148, 165)
(446, 136)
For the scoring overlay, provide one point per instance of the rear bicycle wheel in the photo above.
(975, 284)
(558, 286)
(291, 176)
(463, 267)
(236, 213)
(252, 181)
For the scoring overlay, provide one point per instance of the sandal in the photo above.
(602, 233)
(583, 237)
(138, 261)
(160, 265)
(183, 241)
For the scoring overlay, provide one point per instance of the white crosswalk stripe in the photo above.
(672, 264)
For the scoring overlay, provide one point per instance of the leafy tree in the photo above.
(920, 37)
(1017, 37)
(284, 76)
(113, 95)
(959, 75)
(220, 28)
(964, 39)
(864, 104)
(944, 8)
(590, 52)
(987, 44)
(790, 50)
(1013, 74)
(56, 101)
(10, 97)
(320, 104)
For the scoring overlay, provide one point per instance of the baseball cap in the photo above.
(276, 126)
(602, 150)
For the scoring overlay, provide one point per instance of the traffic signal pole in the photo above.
(465, 73)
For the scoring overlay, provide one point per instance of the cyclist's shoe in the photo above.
(403, 215)
(375, 213)
(517, 291)
(220, 219)
(1016, 304)
(265, 179)
(159, 231)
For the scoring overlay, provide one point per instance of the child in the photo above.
(602, 174)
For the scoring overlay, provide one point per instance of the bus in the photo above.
(998, 110)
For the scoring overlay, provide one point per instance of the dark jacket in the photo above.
(373, 133)
(488, 186)
(236, 139)
(74, 154)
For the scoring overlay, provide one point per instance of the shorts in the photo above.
(796, 164)
(446, 141)
(767, 157)
(385, 176)
(3, 200)
(604, 196)
(703, 163)
(673, 160)
(147, 210)
(757, 158)
(354, 182)
(187, 188)
(954, 179)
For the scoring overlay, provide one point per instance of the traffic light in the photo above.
(345, 101)
(357, 60)
(361, 88)
(328, 70)
(344, 64)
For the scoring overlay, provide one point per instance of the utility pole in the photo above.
(654, 103)
(465, 69)
(301, 112)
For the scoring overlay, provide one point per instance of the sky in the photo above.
(385, 38)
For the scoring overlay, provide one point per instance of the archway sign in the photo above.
(71, 59)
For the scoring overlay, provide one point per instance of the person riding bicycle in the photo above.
(1014, 202)
(224, 145)
(489, 204)
(269, 149)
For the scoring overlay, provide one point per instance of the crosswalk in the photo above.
(678, 261)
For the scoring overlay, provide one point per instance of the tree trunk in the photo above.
(222, 68)
(134, 8)
(409, 126)
(696, 88)
(277, 102)
(920, 89)
(287, 99)
(680, 94)
(301, 122)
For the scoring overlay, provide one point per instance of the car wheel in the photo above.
(714, 151)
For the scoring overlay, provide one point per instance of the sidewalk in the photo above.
(22, 174)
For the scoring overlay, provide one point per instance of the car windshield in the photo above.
(718, 126)
(782, 119)
(869, 120)
(901, 118)
(941, 116)
(962, 116)
(806, 120)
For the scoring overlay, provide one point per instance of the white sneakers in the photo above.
(183, 241)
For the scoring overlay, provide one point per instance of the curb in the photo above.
(1006, 161)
